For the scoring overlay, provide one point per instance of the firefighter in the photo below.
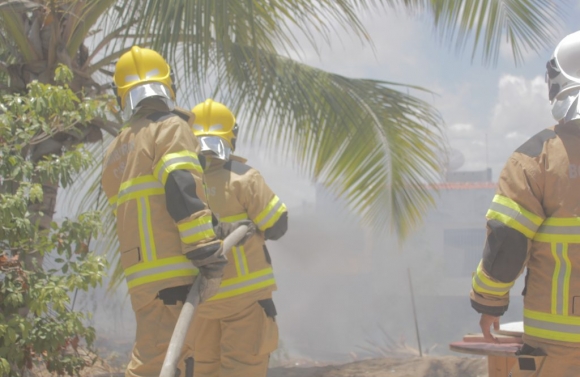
(534, 222)
(235, 331)
(152, 177)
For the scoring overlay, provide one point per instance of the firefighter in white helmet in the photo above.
(152, 177)
(235, 331)
(534, 223)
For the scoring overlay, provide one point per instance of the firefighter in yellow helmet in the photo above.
(533, 222)
(235, 331)
(152, 177)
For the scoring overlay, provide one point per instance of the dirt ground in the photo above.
(113, 363)
(429, 366)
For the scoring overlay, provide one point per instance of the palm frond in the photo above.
(195, 25)
(530, 25)
(369, 143)
(11, 13)
(84, 16)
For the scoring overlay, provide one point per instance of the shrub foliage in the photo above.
(38, 324)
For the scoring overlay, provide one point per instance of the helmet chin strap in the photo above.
(567, 109)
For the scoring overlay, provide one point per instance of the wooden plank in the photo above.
(499, 366)
(486, 349)
(478, 338)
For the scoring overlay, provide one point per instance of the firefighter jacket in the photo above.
(153, 179)
(534, 222)
(235, 192)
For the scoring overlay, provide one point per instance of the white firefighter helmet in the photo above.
(563, 78)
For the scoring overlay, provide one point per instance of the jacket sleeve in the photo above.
(513, 219)
(177, 167)
(264, 207)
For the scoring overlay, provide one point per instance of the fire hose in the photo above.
(186, 314)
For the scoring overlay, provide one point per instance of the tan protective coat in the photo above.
(152, 244)
(539, 195)
(233, 335)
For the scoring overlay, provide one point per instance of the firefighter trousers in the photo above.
(155, 324)
(238, 345)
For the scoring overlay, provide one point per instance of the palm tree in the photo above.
(367, 140)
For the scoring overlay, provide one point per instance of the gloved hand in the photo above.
(211, 269)
(210, 280)
(222, 230)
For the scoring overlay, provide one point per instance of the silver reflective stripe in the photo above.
(145, 228)
(560, 279)
(240, 257)
(272, 212)
(246, 283)
(512, 213)
(555, 229)
(481, 284)
(551, 326)
(139, 187)
(161, 269)
(195, 230)
(176, 160)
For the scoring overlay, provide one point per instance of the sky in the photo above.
(488, 112)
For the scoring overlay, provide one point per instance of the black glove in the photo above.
(211, 262)
(222, 230)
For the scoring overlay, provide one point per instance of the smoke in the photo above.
(345, 293)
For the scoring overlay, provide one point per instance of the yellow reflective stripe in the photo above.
(137, 181)
(566, 283)
(244, 284)
(184, 160)
(113, 201)
(560, 279)
(234, 253)
(559, 229)
(234, 218)
(270, 214)
(174, 273)
(552, 326)
(240, 260)
(513, 215)
(196, 230)
(149, 227)
(113, 204)
(483, 284)
(161, 269)
(145, 235)
(139, 187)
(143, 266)
(554, 306)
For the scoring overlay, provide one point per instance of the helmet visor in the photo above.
(215, 146)
(147, 90)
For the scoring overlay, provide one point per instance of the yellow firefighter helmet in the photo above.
(216, 128)
(142, 73)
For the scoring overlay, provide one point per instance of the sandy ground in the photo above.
(405, 365)
(429, 366)
(443, 366)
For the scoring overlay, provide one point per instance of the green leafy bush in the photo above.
(38, 326)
